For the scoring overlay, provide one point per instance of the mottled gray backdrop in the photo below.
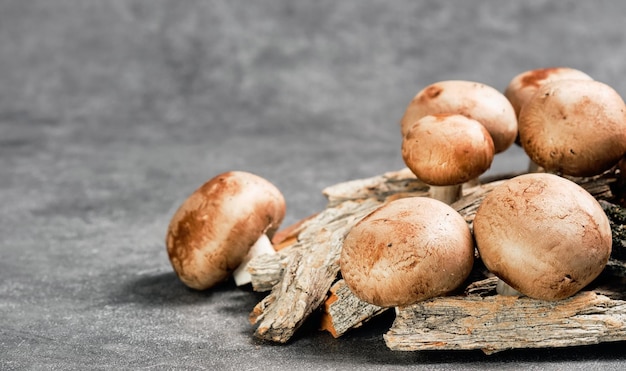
(112, 112)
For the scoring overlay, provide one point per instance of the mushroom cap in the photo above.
(407, 250)
(212, 231)
(543, 235)
(575, 127)
(477, 101)
(447, 149)
(524, 85)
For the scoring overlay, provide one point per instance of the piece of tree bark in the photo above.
(307, 277)
(334, 317)
(390, 185)
(305, 270)
(312, 263)
(496, 323)
(289, 236)
(344, 311)
(483, 320)
(266, 270)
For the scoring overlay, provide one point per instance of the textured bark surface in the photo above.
(308, 268)
(267, 270)
(344, 311)
(481, 319)
(496, 323)
(303, 276)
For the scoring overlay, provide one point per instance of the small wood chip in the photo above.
(344, 311)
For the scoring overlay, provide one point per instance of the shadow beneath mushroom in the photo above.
(156, 289)
(160, 288)
(362, 346)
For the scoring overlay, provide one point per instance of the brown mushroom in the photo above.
(407, 250)
(524, 85)
(213, 230)
(574, 127)
(477, 101)
(543, 235)
(445, 151)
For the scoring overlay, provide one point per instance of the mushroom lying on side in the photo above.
(445, 151)
(407, 250)
(543, 235)
(214, 229)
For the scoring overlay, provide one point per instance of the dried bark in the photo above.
(344, 311)
(496, 323)
(302, 273)
(308, 268)
(480, 319)
(310, 271)
(267, 270)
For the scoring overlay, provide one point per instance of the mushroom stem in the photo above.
(446, 194)
(472, 183)
(503, 288)
(261, 247)
(533, 167)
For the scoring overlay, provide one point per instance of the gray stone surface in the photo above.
(112, 112)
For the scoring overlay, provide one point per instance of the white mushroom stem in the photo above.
(261, 247)
(503, 288)
(446, 194)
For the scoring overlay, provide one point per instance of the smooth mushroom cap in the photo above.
(407, 250)
(524, 85)
(477, 101)
(575, 127)
(212, 231)
(543, 235)
(447, 149)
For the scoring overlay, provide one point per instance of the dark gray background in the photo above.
(113, 112)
